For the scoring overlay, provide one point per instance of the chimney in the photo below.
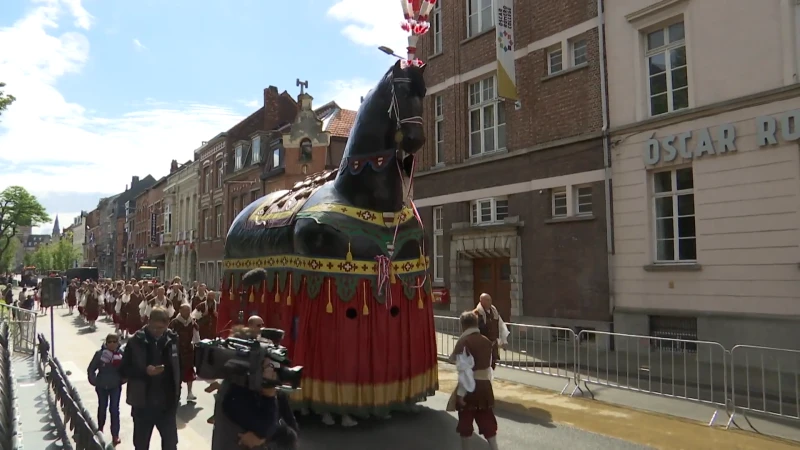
(134, 181)
(271, 108)
(174, 166)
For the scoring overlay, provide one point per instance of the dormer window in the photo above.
(239, 155)
(256, 149)
(276, 158)
(305, 150)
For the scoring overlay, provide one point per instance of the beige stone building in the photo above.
(704, 107)
(180, 222)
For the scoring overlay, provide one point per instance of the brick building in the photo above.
(217, 159)
(92, 230)
(513, 193)
(149, 227)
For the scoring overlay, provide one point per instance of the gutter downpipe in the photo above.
(601, 33)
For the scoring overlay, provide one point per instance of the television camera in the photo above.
(242, 361)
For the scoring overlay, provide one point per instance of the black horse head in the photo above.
(388, 131)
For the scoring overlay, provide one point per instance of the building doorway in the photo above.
(493, 276)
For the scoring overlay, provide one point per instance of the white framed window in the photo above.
(220, 173)
(489, 210)
(220, 224)
(673, 212)
(578, 51)
(168, 219)
(238, 157)
(436, 24)
(559, 202)
(583, 200)
(555, 60)
(667, 71)
(438, 107)
(206, 225)
(438, 244)
(479, 16)
(276, 158)
(487, 118)
(208, 178)
(256, 149)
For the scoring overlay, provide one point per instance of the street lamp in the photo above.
(389, 51)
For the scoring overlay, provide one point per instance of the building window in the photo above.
(220, 272)
(436, 23)
(578, 52)
(487, 118)
(439, 127)
(479, 16)
(668, 83)
(489, 211)
(218, 212)
(583, 200)
(207, 178)
(206, 225)
(256, 149)
(555, 60)
(168, 219)
(253, 196)
(276, 158)
(673, 204)
(239, 157)
(220, 173)
(438, 245)
(560, 202)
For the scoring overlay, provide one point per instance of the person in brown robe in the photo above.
(476, 406)
(176, 295)
(206, 315)
(121, 311)
(72, 296)
(188, 333)
(133, 320)
(489, 323)
(91, 309)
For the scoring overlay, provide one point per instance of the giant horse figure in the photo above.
(338, 262)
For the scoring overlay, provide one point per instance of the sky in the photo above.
(111, 89)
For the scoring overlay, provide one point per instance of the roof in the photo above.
(340, 123)
(34, 239)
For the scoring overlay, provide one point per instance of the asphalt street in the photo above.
(431, 429)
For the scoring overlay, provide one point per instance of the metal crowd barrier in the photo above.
(10, 433)
(22, 324)
(85, 432)
(746, 379)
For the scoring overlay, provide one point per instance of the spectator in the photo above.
(150, 364)
(105, 375)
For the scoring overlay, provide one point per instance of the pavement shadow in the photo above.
(187, 412)
(524, 414)
(86, 330)
(426, 430)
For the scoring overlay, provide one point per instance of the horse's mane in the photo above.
(416, 76)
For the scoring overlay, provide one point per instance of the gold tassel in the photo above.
(263, 291)
(289, 295)
(365, 309)
(277, 290)
(420, 305)
(349, 257)
(329, 308)
(392, 277)
(422, 259)
(252, 295)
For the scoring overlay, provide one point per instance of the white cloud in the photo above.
(138, 45)
(94, 153)
(372, 22)
(250, 103)
(348, 93)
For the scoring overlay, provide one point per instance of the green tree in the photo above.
(28, 258)
(43, 258)
(62, 254)
(5, 99)
(7, 257)
(18, 208)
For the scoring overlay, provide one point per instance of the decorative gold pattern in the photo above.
(363, 215)
(324, 265)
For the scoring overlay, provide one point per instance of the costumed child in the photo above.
(188, 335)
(106, 377)
(72, 296)
(474, 397)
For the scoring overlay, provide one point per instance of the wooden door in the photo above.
(493, 276)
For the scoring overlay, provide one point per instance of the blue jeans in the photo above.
(108, 400)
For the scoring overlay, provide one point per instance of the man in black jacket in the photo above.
(150, 364)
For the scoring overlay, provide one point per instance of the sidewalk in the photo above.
(646, 428)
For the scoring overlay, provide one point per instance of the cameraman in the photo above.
(252, 419)
(150, 364)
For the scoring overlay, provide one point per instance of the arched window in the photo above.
(305, 150)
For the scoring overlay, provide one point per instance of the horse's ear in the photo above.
(397, 66)
(422, 68)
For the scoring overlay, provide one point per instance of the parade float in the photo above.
(345, 271)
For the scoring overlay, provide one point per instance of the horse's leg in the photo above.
(348, 421)
(327, 419)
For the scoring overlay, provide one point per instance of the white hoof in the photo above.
(348, 421)
(327, 419)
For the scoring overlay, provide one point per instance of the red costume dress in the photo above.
(133, 320)
(91, 307)
(72, 295)
(206, 315)
(188, 334)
